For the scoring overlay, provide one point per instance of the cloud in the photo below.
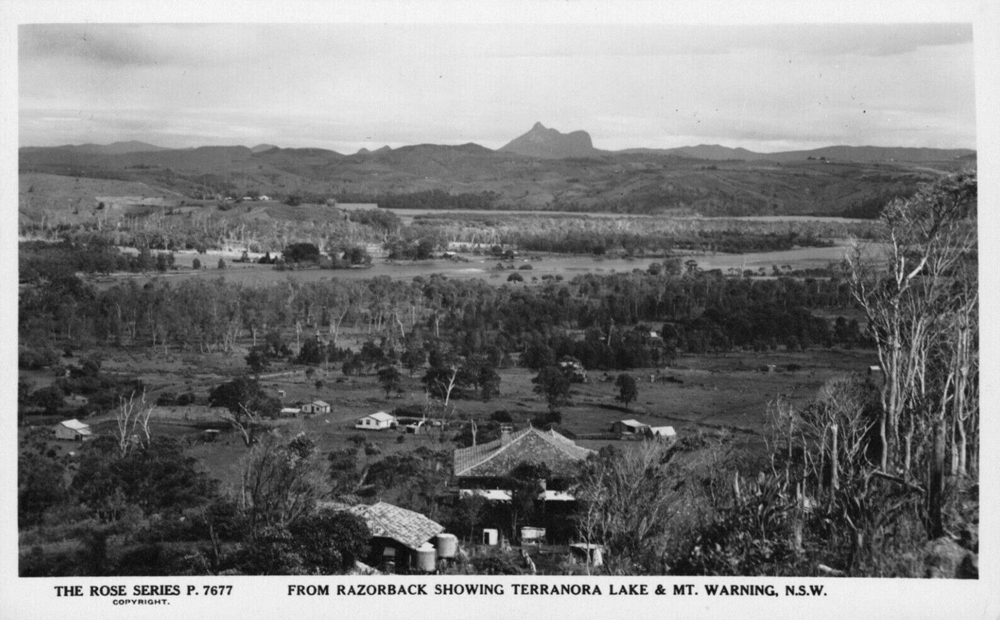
(375, 84)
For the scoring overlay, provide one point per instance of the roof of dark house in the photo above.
(405, 526)
(497, 458)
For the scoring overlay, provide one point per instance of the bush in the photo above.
(502, 416)
(496, 565)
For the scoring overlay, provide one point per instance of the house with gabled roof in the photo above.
(488, 465)
(73, 430)
(317, 406)
(377, 421)
(397, 534)
(628, 427)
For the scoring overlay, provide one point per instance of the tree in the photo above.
(489, 382)
(40, 487)
(132, 413)
(196, 264)
(445, 375)
(515, 277)
(390, 379)
(258, 361)
(921, 299)
(312, 352)
(628, 390)
(331, 542)
(156, 477)
(625, 498)
(552, 383)
(413, 357)
(280, 480)
(246, 403)
(524, 483)
(301, 253)
(222, 264)
(471, 510)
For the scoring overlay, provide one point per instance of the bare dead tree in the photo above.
(132, 418)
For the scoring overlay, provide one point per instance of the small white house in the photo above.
(376, 422)
(317, 406)
(73, 430)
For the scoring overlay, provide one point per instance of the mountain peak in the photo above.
(551, 143)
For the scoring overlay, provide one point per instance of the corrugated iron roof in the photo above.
(381, 416)
(410, 528)
(75, 424)
(496, 459)
(633, 423)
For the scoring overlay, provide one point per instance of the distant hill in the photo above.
(115, 148)
(541, 141)
(260, 148)
(860, 154)
(543, 169)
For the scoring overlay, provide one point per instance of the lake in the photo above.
(484, 267)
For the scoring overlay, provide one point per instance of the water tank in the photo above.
(490, 537)
(447, 546)
(426, 558)
(531, 535)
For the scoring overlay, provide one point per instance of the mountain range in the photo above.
(548, 143)
(541, 169)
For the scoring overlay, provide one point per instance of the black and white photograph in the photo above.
(623, 313)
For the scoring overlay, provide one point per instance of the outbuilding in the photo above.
(663, 432)
(628, 427)
(73, 430)
(317, 406)
(377, 421)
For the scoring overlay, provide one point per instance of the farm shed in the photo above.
(317, 406)
(289, 412)
(628, 427)
(73, 430)
(397, 535)
(664, 432)
(377, 421)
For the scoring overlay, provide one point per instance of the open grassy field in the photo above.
(728, 392)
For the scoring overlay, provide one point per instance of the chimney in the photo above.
(505, 434)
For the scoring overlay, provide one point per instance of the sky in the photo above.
(347, 86)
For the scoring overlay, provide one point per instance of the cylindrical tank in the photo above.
(532, 534)
(447, 546)
(426, 558)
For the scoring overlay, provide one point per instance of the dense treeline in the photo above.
(698, 312)
(636, 235)
(39, 259)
